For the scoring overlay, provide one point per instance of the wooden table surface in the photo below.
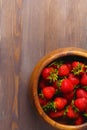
(29, 29)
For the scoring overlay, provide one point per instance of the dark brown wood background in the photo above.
(29, 29)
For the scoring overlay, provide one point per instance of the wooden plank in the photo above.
(11, 36)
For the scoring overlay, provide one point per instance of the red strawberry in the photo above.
(69, 66)
(84, 80)
(75, 64)
(73, 79)
(42, 101)
(48, 92)
(60, 103)
(55, 64)
(81, 104)
(56, 114)
(79, 120)
(50, 74)
(69, 96)
(78, 67)
(55, 84)
(42, 84)
(46, 72)
(63, 70)
(80, 93)
(86, 110)
(66, 86)
(71, 113)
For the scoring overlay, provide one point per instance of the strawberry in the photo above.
(58, 104)
(56, 64)
(42, 84)
(71, 113)
(80, 93)
(75, 64)
(69, 96)
(50, 74)
(69, 66)
(78, 67)
(42, 101)
(79, 120)
(86, 110)
(81, 104)
(63, 70)
(73, 79)
(56, 114)
(48, 92)
(66, 86)
(56, 84)
(46, 72)
(84, 79)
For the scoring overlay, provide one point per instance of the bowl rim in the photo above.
(47, 59)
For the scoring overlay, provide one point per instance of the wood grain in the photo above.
(28, 31)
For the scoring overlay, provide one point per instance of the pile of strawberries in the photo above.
(62, 91)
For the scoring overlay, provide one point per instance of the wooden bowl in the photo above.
(59, 53)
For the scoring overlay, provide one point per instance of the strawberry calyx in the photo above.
(57, 92)
(74, 107)
(41, 95)
(78, 69)
(53, 75)
(85, 114)
(56, 64)
(59, 82)
(66, 110)
(85, 87)
(50, 106)
(86, 68)
(70, 112)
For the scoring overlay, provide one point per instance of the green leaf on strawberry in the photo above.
(78, 68)
(41, 95)
(85, 114)
(58, 104)
(53, 75)
(49, 107)
(85, 87)
(71, 113)
(56, 64)
(74, 107)
(66, 110)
